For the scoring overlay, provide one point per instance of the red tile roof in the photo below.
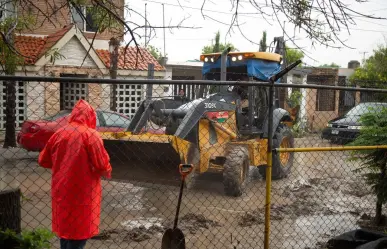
(33, 47)
(30, 47)
(133, 59)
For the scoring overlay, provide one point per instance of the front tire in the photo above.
(282, 161)
(236, 170)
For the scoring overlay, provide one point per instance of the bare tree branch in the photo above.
(48, 12)
(322, 20)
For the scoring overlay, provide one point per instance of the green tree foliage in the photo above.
(155, 52)
(36, 239)
(292, 55)
(217, 46)
(10, 60)
(373, 162)
(262, 43)
(334, 65)
(374, 68)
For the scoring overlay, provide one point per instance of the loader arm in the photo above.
(195, 114)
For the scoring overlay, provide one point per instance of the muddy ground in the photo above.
(321, 198)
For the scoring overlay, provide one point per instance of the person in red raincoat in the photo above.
(78, 160)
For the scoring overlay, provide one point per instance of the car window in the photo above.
(58, 115)
(115, 120)
(366, 108)
(98, 123)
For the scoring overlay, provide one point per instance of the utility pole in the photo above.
(165, 53)
(114, 50)
(364, 53)
(145, 25)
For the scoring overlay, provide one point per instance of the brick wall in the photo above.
(322, 76)
(51, 92)
(62, 17)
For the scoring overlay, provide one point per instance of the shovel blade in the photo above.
(173, 239)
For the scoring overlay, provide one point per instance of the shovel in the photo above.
(174, 238)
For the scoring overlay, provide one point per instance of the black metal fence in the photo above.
(314, 196)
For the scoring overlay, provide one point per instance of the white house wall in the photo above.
(35, 100)
(74, 54)
(347, 72)
(21, 107)
(169, 88)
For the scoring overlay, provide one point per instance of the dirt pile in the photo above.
(141, 233)
(190, 222)
(366, 221)
(314, 196)
(251, 218)
(193, 223)
(258, 217)
(325, 196)
(137, 234)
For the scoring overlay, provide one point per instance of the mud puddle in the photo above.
(313, 232)
(311, 211)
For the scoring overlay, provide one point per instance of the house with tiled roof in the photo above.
(66, 51)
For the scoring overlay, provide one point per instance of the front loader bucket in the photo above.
(147, 157)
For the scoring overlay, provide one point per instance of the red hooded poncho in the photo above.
(78, 159)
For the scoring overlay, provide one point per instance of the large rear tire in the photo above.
(282, 161)
(235, 171)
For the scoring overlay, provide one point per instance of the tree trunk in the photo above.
(379, 203)
(378, 213)
(10, 210)
(10, 111)
(10, 122)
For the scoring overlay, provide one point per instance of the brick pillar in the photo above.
(95, 95)
(99, 96)
(35, 100)
(52, 97)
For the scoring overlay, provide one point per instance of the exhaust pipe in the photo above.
(223, 68)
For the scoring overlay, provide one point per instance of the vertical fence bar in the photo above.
(10, 210)
(151, 75)
(114, 50)
(269, 166)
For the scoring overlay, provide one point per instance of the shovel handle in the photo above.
(185, 169)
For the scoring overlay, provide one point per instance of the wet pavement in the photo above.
(321, 198)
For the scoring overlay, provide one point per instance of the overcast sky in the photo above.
(186, 44)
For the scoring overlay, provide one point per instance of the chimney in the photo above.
(353, 64)
(163, 61)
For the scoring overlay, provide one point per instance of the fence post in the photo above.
(10, 210)
(113, 50)
(269, 166)
(151, 76)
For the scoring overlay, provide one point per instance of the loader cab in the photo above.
(252, 112)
